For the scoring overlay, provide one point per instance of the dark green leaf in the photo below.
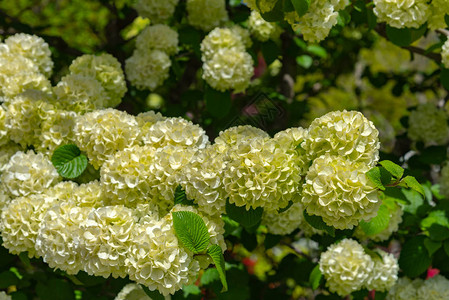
(412, 183)
(288, 6)
(214, 252)
(380, 295)
(272, 240)
(181, 197)
(414, 258)
(432, 246)
(395, 170)
(191, 231)
(247, 218)
(399, 36)
(396, 195)
(218, 103)
(8, 278)
(446, 19)
(68, 161)
(378, 223)
(444, 78)
(318, 223)
(315, 277)
(56, 289)
(446, 247)
(438, 232)
(375, 176)
(276, 14)
(281, 210)
(270, 51)
(301, 6)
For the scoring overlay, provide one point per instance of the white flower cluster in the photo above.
(402, 13)
(261, 29)
(156, 10)
(438, 9)
(25, 63)
(347, 268)
(150, 63)
(428, 124)
(433, 288)
(206, 14)
(226, 64)
(445, 54)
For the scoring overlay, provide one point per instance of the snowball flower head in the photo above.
(339, 191)
(261, 29)
(346, 267)
(147, 69)
(89, 195)
(220, 38)
(286, 222)
(107, 70)
(445, 54)
(428, 124)
(260, 173)
(405, 289)
(33, 48)
(29, 173)
(174, 131)
(215, 16)
(402, 13)
(103, 132)
(385, 272)
(156, 10)
(438, 9)
(148, 118)
(344, 133)
(4, 296)
(232, 136)
(3, 129)
(6, 152)
(229, 69)
(80, 93)
(132, 291)
(292, 140)
(159, 37)
(434, 288)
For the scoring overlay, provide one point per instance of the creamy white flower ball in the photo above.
(104, 132)
(147, 69)
(346, 267)
(158, 37)
(402, 13)
(156, 10)
(3, 130)
(428, 124)
(220, 38)
(6, 152)
(206, 14)
(405, 289)
(344, 133)
(132, 291)
(107, 70)
(339, 191)
(29, 173)
(33, 48)
(292, 139)
(286, 222)
(261, 29)
(437, 10)
(229, 69)
(231, 137)
(385, 272)
(435, 288)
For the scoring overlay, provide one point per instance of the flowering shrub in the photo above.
(286, 149)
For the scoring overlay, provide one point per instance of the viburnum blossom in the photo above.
(215, 16)
(402, 13)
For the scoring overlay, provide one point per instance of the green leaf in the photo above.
(396, 195)
(414, 258)
(446, 19)
(317, 50)
(154, 295)
(318, 223)
(68, 161)
(270, 51)
(214, 252)
(375, 176)
(432, 246)
(415, 201)
(217, 103)
(209, 276)
(304, 61)
(395, 170)
(56, 289)
(399, 36)
(288, 6)
(181, 197)
(446, 247)
(281, 210)
(444, 78)
(412, 183)
(247, 218)
(272, 240)
(301, 6)
(190, 290)
(276, 14)
(191, 231)
(378, 223)
(8, 278)
(315, 277)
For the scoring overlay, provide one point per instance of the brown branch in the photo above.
(381, 30)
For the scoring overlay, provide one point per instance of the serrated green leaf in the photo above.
(412, 183)
(154, 295)
(247, 218)
(181, 197)
(190, 290)
(395, 170)
(318, 223)
(68, 161)
(209, 276)
(218, 103)
(191, 231)
(374, 175)
(315, 277)
(214, 252)
(432, 246)
(301, 6)
(414, 258)
(378, 223)
(415, 200)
